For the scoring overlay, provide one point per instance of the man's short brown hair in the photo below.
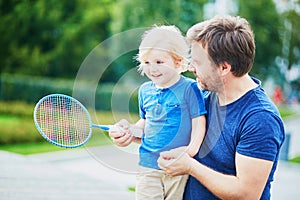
(227, 39)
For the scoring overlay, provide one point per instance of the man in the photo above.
(239, 155)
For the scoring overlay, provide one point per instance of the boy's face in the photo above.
(159, 66)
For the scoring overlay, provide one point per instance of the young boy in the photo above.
(171, 109)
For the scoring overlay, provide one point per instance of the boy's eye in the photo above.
(146, 62)
(159, 62)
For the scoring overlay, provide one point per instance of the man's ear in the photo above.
(225, 68)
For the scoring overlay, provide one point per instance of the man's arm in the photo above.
(249, 182)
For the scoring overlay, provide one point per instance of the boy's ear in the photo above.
(225, 68)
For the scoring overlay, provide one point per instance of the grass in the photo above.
(98, 138)
(30, 148)
(131, 189)
(295, 160)
(286, 111)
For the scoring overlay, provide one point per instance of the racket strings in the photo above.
(63, 121)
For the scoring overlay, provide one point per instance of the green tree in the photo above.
(143, 13)
(291, 50)
(267, 25)
(50, 37)
(129, 14)
(293, 46)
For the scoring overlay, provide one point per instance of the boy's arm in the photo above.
(197, 135)
(139, 125)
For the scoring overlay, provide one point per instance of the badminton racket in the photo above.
(65, 122)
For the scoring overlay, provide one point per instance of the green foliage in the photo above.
(293, 47)
(18, 130)
(144, 13)
(129, 14)
(32, 88)
(50, 37)
(16, 108)
(266, 24)
(291, 51)
(16, 123)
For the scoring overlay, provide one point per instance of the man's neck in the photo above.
(234, 88)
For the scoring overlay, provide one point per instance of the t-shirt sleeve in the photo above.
(195, 99)
(262, 136)
(142, 112)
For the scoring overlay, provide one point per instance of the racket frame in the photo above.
(77, 102)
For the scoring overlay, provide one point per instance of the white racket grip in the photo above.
(134, 130)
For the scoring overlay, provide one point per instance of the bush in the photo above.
(18, 130)
(16, 123)
(16, 108)
(30, 89)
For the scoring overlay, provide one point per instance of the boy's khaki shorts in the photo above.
(153, 184)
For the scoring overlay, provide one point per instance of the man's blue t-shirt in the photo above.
(250, 126)
(168, 113)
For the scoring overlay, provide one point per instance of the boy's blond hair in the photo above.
(165, 38)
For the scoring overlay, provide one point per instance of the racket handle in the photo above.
(103, 127)
(136, 131)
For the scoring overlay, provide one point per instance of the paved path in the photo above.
(286, 182)
(63, 175)
(292, 127)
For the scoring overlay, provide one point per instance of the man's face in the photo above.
(205, 70)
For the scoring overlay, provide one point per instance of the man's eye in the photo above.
(146, 62)
(159, 62)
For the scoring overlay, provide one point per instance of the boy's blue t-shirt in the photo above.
(168, 113)
(250, 126)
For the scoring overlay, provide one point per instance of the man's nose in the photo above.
(192, 69)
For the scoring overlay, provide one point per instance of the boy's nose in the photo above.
(153, 68)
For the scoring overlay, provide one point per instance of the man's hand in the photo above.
(175, 162)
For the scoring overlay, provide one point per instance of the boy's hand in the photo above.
(120, 133)
(175, 162)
